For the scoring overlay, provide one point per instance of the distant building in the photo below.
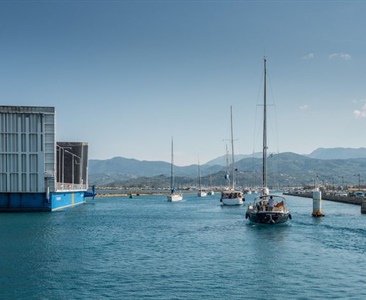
(36, 172)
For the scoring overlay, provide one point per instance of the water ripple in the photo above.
(147, 248)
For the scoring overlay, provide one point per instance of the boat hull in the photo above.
(232, 198)
(268, 217)
(232, 202)
(201, 194)
(175, 197)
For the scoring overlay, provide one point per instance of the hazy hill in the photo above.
(338, 153)
(221, 160)
(320, 153)
(131, 168)
(284, 169)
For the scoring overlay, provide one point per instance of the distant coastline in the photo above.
(135, 193)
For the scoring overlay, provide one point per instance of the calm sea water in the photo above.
(148, 248)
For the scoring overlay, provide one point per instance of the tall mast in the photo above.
(227, 176)
(199, 174)
(265, 127)
(172, 170)
(232, 148)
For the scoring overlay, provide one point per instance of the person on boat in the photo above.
(262, 205)
(270, 203)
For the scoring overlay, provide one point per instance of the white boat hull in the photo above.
(235, 201)
(175, 197)
(201, 194)
(232, 198)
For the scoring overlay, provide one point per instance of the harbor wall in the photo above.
(330, 197)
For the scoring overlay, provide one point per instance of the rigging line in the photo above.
(275, 160)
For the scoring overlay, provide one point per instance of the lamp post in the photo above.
(61, 165)
(359, 181)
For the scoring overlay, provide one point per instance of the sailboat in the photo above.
(174, 196)
(201, 192)
(232, 196)
(211, 191)
(267, 208)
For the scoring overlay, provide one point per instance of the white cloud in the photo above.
(360, 113)
(356, 101)
(308, 56)
(344, 56)
(304, 107)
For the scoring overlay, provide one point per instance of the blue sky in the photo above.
(126, 76)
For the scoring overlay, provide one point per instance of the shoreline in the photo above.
(135, 194)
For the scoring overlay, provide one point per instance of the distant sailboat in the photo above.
(267, 208)
(211, 191)
(174, 196)
(231, 196)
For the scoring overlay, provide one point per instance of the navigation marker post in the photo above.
(317, 203)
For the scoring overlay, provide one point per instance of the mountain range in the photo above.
(336, 166)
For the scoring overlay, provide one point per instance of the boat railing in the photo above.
(261, 203)
(61, 186)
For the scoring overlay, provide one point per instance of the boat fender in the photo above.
(246, 216)
(290, 217)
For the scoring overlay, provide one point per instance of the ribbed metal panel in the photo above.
(27, 149)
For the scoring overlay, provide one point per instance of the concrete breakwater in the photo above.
(106, 193)
(99, 195)
(331, 197)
